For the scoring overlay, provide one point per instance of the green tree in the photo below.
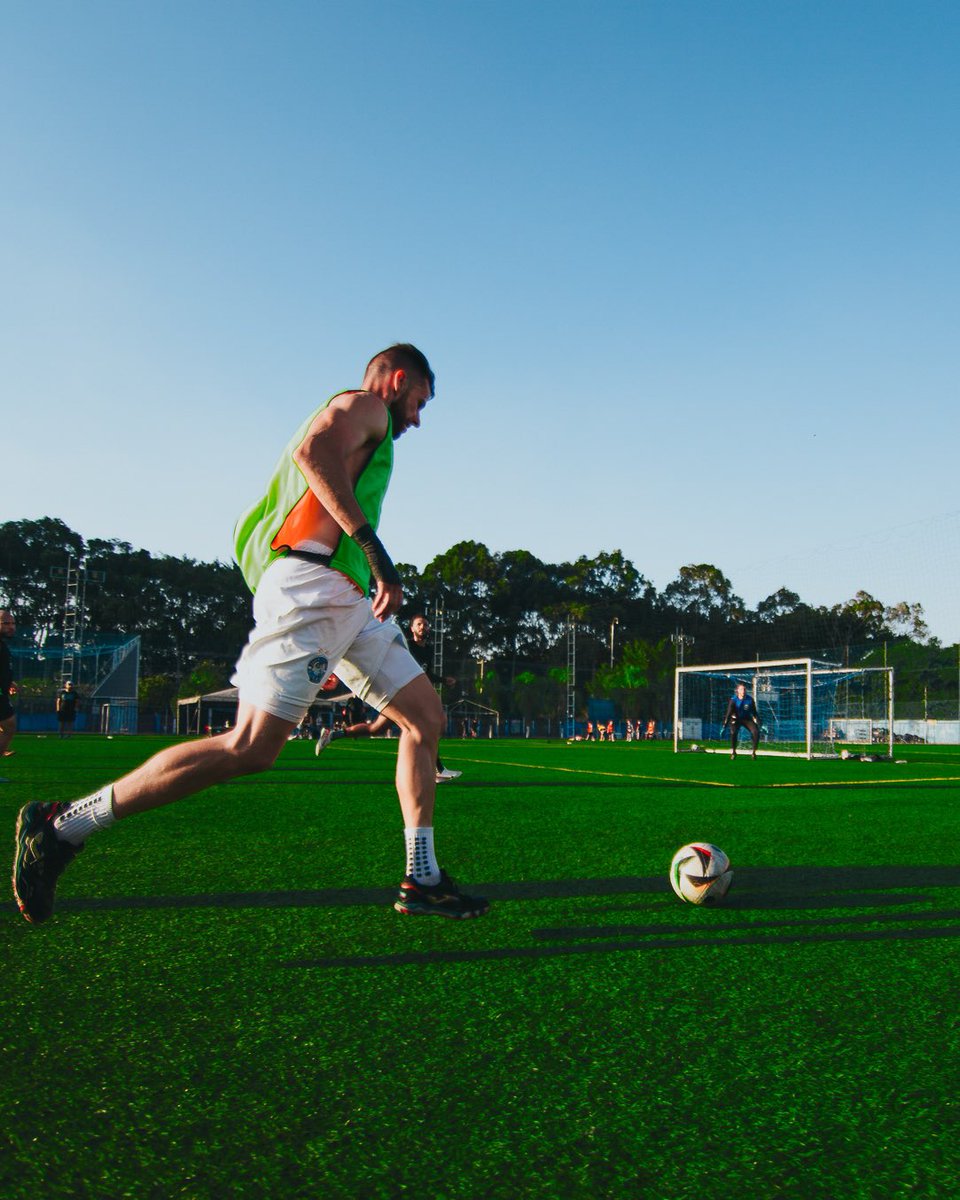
(33, 562)
(607, 577)
(782, 603)
(462, 580)
(703, 590)
(908, 619)
(205, 677)
(528, 693)
(157, 693)
(642, 682)
(522, 591)
(183, 610)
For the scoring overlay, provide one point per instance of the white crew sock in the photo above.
(83, 817)
(421, 860)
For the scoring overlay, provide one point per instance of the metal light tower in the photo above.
(438, 631)
(71, 607)
(76, 577)
(680, 640)
(571, 677)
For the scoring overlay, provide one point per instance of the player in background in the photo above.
(419, 647)
(308, 551)
(66, 709)
(741, 711)
(8, 720)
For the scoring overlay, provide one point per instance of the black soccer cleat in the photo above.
(41, 858)
(443, 899)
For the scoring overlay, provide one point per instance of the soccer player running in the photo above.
(741, 711)
(308, 550)
(419, 646)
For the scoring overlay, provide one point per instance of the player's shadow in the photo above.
(829, 887)
(754, 888)
(835, 887)
(805, 892)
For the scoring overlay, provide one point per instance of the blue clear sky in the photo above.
(687, 272)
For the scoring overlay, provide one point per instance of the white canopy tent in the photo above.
(215, 711)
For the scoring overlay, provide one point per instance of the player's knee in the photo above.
(252, 755)
(426, 721)
(258, 758)
(437, 716)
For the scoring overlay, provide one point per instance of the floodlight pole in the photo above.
(86, 576)
(75, 577)
(571, 677)
(613, 624)
(69, 648)
(681, 639)
(438, 632)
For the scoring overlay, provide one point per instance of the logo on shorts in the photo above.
(316, 669)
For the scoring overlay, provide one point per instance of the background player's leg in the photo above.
(755, 736)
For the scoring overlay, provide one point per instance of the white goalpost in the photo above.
(806, 708)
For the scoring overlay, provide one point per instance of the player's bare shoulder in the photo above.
(365, 410)
(350, 424)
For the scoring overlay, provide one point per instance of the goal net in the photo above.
(806, 708)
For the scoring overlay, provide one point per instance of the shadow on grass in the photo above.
(804, 890)
(796, 888)
(351, 897)
(754, 888)
(714, 940)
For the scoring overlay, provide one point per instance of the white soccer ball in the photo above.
(694, 746)
(700, 873)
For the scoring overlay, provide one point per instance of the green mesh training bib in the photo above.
(288, 512)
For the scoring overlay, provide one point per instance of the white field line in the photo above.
(581, 771)
(486, 762)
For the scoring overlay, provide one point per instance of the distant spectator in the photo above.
(8, 720)
(66, 709)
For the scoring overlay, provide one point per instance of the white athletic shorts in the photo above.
(309, 621)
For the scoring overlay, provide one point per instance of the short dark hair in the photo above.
(403, 356)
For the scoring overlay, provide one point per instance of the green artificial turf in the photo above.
(225, 1004)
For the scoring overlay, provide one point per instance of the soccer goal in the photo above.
(806, 708)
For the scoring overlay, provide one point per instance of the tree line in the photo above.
(505, 619)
